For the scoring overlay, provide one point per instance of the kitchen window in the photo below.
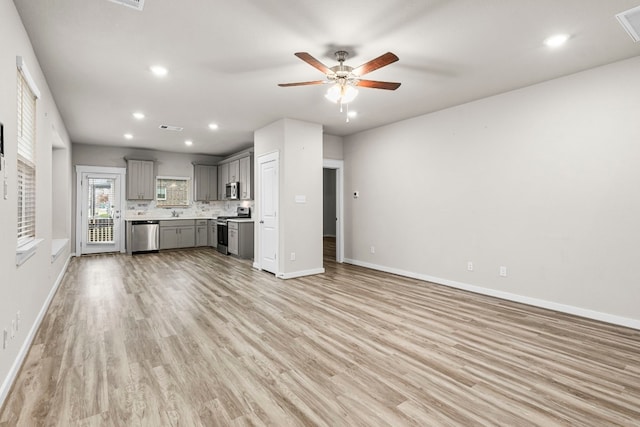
(172, 191)
(27, 94)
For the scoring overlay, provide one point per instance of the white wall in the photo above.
(300, 174)
(332, 147)
(542, 180)
(26, 288)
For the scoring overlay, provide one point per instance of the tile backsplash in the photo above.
(137, 208)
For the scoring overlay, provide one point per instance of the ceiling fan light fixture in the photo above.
(341, 93)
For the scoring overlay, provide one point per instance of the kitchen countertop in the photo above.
(240, 220)
(165, 218)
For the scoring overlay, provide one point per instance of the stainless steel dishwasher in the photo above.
(145, 236)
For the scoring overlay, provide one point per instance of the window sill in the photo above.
(57, 246)
(26, 251)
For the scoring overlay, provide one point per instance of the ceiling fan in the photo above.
(344, 78)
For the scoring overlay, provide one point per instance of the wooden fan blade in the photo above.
(315, 82)
(313, 62)
(378, 85)
(374, 64)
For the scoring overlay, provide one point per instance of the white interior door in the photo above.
(99, 223)
(268, 208)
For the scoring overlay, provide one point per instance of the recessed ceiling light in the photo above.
(213, 126)
(188, 142)
(352, 114)
(159, 70)
(128, 136)
(138, 115)
(557, 40)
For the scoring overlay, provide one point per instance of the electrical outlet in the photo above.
(293, 256)
(373, 249)
(503, 271)
(5, 336)
(18, 320)
(470, 266)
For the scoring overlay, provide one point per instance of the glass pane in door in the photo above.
(100, 210)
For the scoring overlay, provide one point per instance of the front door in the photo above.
(100, 198)
(268, 224)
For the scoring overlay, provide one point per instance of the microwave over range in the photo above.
(232, 190)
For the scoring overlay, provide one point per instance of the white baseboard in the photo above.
(22, 354)
(300, 273)
(563, 308)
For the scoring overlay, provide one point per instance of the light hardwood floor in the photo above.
(194, 338)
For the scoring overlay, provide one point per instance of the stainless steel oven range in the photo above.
(223, 231)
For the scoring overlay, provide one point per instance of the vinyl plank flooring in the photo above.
(195, 338)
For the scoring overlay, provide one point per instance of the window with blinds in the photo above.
(26, 161)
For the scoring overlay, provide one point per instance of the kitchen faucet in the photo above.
(175, 214)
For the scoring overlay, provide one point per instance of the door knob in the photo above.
(261, 222)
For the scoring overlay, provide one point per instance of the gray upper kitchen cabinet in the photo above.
(140, 180)
(246, 174)
(205, 183)
(223, 179)
(234, 171)
(236, 168)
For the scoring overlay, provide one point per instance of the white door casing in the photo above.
(105, 234)
(268, 230)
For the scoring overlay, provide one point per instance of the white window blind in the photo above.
(26, 159)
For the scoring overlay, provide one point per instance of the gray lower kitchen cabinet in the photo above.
(240, 238)
(232, 230)
(168, 237)
(186, 237)
(177, 234)
(202, 233)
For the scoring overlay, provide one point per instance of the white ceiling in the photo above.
(225, 59)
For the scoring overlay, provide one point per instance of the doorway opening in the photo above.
(332, 210)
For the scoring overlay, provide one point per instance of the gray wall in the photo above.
(27, 288)
(542, 180)
(329, 202)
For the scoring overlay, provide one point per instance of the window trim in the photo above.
(27, 244)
